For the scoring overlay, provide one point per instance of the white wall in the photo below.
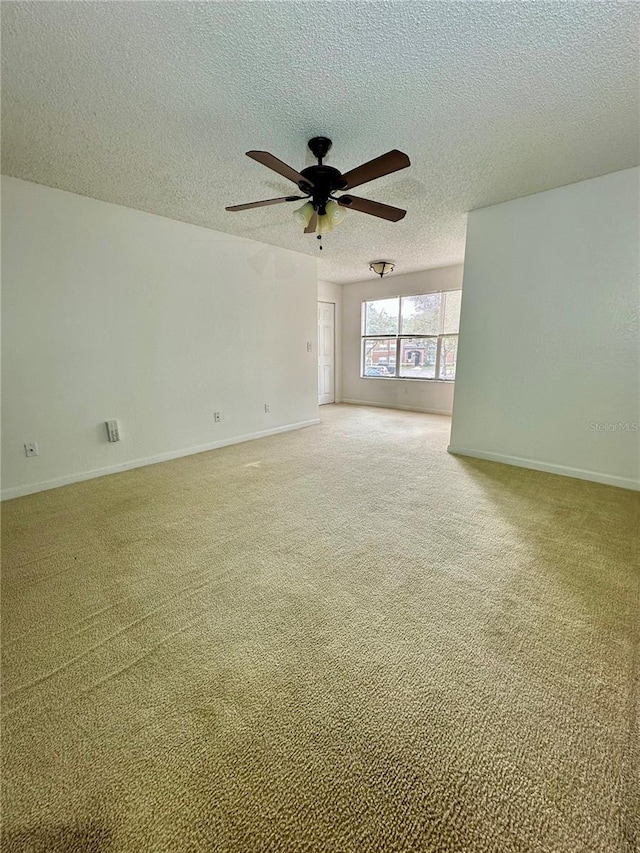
(113, 313)
(330, 292)
(415, 394)
(548, 368)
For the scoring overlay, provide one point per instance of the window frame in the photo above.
(400, 337)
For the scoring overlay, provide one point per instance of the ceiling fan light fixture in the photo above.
(335, 212)
(303, 214)
(381, 267)
(324, 224)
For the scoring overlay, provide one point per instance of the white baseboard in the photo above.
(401, 408)
(550, 468)
(31, 488)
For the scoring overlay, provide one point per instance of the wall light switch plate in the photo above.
(31, 448)
(113, 432)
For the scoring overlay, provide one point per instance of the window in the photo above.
(411, 337)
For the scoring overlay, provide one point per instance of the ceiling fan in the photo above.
(319, 183)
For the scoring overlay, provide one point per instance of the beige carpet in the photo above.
(338, 640)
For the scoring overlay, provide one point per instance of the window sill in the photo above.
(411, 379)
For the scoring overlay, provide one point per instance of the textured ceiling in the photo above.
(152, 105)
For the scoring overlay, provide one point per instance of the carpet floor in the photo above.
(336, 640)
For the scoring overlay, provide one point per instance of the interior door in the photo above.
(326, 353)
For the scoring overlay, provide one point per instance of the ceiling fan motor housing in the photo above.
(325, 180)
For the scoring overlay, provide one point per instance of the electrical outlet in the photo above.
(31, 448)
(217, 417)
(267, 408)
(309, 346)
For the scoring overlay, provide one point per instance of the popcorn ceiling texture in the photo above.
(152, 105)
(310, 644)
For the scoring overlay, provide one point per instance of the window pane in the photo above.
(418, 358)
(421, 314)
(452, 301)
(448, 357)
(379, 357)
(381, 317)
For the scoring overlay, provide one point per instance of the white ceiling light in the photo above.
(381, 267)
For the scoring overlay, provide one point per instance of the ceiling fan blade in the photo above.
(387, 163)
(264, 203)
(313, 223)
(375, 208)
(278, 166)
